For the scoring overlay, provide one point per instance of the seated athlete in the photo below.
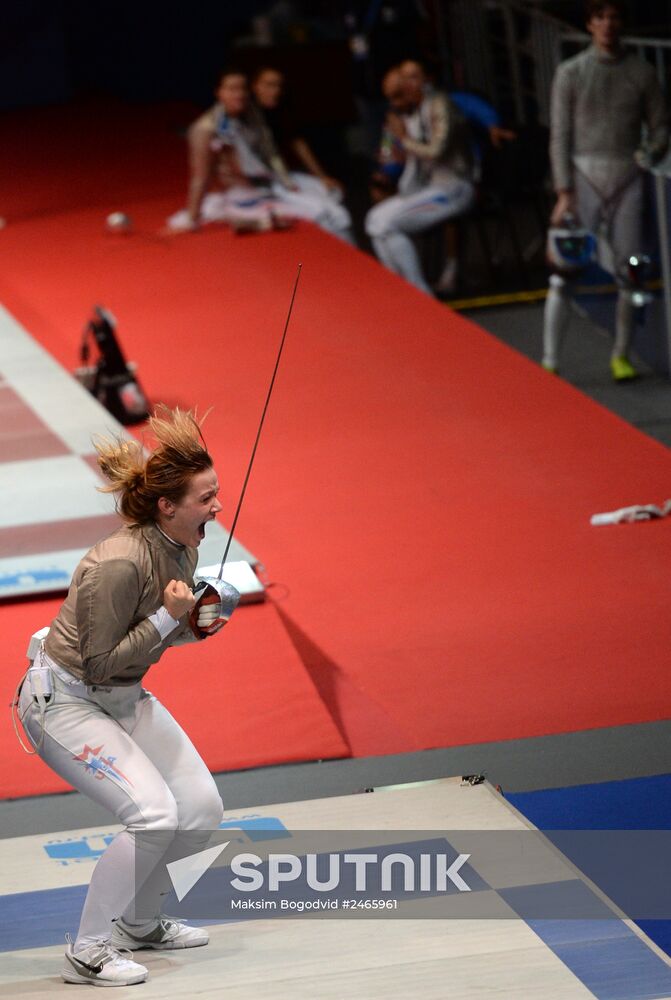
(436, 183)
(237, 174)
(267, 87)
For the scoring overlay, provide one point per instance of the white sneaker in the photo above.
(166, 934)
(101, 965)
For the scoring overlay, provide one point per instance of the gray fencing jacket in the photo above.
(102, 633)
(599, 106)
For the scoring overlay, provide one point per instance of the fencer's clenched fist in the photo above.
(178, 598)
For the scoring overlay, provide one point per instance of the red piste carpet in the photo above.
(421, 497)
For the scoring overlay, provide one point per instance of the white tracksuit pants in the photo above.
(315, 202)
(391, 223)
(312, 201)
(123, 749)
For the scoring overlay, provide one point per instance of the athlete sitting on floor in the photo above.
(232, 149)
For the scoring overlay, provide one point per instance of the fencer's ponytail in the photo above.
(139, 481)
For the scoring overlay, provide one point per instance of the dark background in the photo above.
(54, 51)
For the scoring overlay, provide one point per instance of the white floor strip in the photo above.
(63, 488)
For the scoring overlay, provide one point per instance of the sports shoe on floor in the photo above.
(242, 226)
(282, 222)
(622, 369)
(101, 965)
(165, 935)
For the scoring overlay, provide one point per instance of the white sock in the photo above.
(448, 276)
(625, 311)
(555, 321)
(146, 905)
(144, 926)
(123, 868)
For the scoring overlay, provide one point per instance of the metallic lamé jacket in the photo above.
(102, 634)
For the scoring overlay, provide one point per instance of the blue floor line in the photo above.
(630, 804)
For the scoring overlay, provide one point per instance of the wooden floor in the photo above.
(42, 881)
(371, 960)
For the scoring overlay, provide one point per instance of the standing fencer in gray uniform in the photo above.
(601, 99)
(87, 715)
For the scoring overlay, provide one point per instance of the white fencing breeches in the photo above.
(391, 223)
(123, 749)
(616, 221)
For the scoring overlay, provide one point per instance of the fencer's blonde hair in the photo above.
(138, 481)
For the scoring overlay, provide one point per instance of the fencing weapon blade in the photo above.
(214, 593)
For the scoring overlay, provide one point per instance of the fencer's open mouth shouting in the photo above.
(185, 521)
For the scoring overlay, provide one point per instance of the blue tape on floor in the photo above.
(614, 966)
(632, 804)
(41, 918)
